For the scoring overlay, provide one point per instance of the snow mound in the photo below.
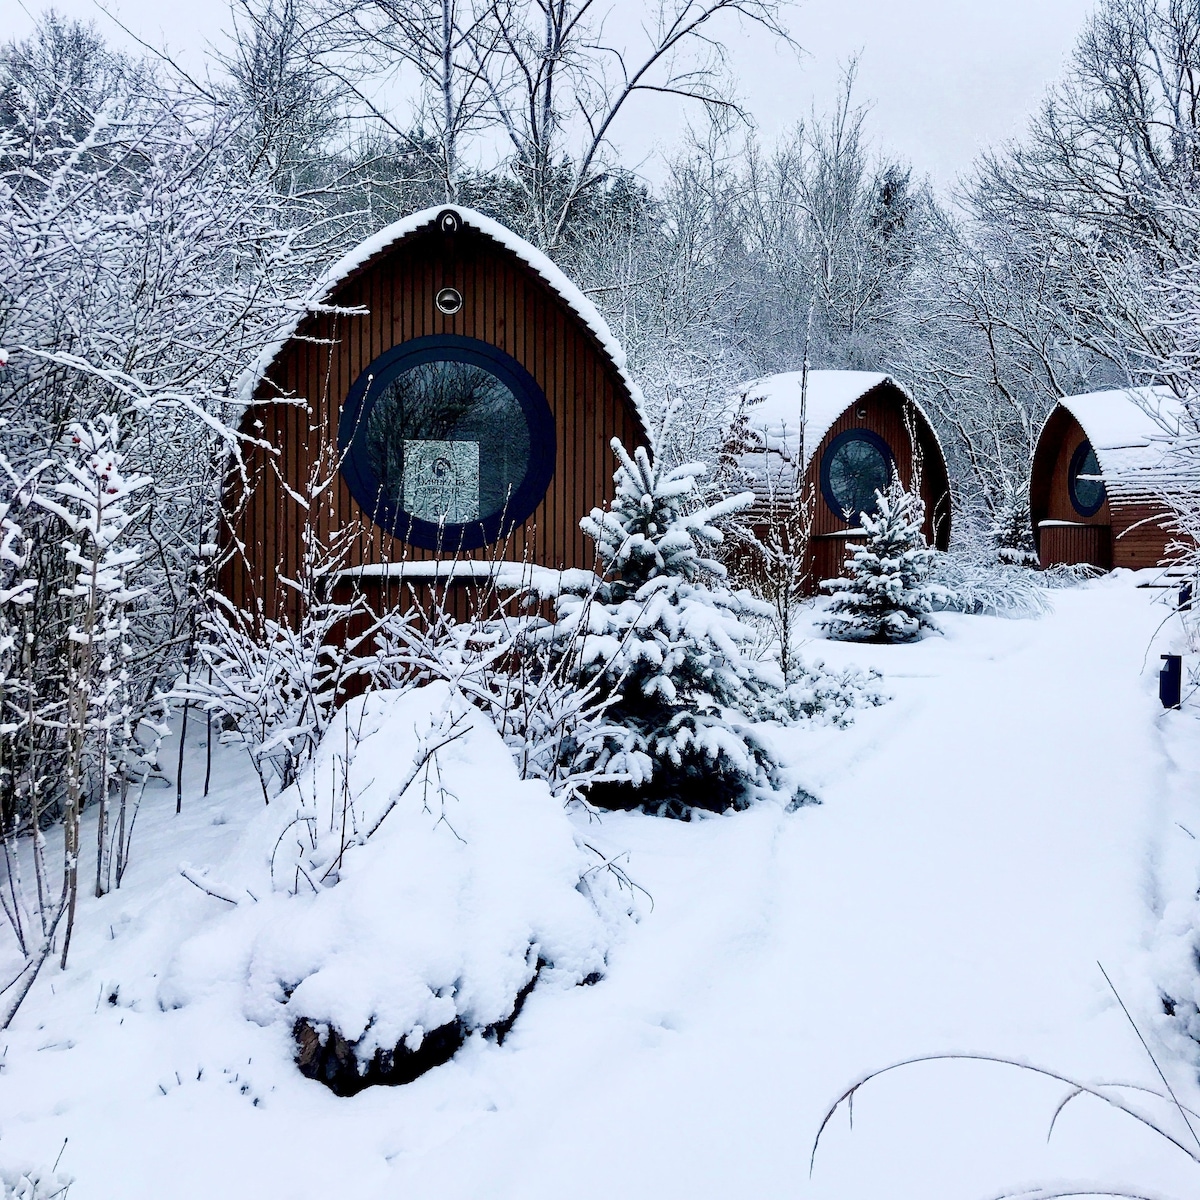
(409, 883)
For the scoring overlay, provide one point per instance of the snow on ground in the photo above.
(1174, 948)
(983, 840)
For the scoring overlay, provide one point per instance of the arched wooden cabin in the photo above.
(447, 402)
(1091, 495)
(845, 433)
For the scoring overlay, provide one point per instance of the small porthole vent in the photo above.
(449, 300)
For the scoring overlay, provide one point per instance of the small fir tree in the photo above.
(669, 641)
(884, 595)
(1012, 532)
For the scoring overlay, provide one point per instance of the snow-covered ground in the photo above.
(984, 841)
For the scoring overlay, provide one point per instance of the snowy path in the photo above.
(983, 840)
(979, 849)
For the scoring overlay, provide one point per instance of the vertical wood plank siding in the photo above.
(505, 304)
(883, 412)
(1073, 544)
(1130, 533)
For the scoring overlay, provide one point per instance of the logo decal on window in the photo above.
(441, 481)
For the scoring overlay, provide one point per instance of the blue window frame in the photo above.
(1084, 484)
(857, 464)
(447, 442)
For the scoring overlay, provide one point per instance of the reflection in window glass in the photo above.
(1086, 486)
(856, 468)
(448, 442)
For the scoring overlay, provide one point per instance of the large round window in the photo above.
(857, 464)
(1084, 481)
(447, 442)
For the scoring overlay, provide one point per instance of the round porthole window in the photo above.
(449, 300)
(1084, 482)
(857, 464)
(447, 442)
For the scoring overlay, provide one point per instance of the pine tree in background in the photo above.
(1012, 532)
(665, 633)
(884, 595)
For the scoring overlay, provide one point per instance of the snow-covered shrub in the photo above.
(1065, 575)
(34, 1183)
(276, 683)
(406, 892)
(885, 594)
(668, 641)
(552, 722)
(92, 492)
(822, 695)
(987, 589)
(769, 556)
(274, 687)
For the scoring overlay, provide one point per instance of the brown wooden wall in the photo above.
(883, 412)
(505, 304)
(1074, 544)
(1129, 533)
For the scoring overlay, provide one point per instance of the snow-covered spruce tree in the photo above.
(884, 595)
(1012, 531)
(667, 637)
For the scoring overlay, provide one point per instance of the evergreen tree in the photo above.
(1012, 532)
(670, 642)
(884, 595)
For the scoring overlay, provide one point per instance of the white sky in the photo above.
(946, 77)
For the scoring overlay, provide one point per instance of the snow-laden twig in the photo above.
(1106, 1093)
(208, 886)
(448, 729)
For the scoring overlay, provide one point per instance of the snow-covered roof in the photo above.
(318, 296)
(1130, 430)
(773, 404)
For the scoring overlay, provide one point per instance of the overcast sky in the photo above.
(946, 77)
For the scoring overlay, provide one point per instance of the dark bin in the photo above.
(1170, 680)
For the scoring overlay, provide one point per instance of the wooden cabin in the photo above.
(1091, 494)
(834, 442)
(445, 404)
